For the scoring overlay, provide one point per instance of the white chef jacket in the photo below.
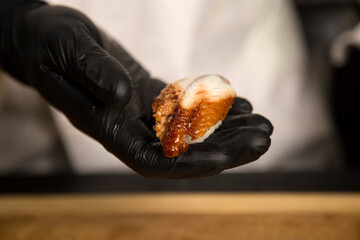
(256, 44)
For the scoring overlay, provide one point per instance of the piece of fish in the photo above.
(189, 110)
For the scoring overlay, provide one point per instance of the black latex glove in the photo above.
(108, 95)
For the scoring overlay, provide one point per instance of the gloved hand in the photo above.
(106, 94)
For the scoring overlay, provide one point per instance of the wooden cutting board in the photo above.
(181, 216)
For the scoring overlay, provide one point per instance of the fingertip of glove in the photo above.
(241, 105)
(268, 127)
(121, 94)
(264, 124)
(200, 160)
(260, 145)
(211, 153)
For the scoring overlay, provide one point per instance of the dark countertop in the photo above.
(294, 182)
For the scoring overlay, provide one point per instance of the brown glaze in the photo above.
(173, 122)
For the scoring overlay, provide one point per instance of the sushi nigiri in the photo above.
(190, 110)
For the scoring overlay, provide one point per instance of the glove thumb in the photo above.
(102, 74)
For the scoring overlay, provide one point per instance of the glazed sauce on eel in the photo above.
(173, 122)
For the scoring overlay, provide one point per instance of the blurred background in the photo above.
(296, 61)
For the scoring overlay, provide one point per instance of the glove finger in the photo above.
(243, 145)
(199, 160)
(137, 72)
(241, 120)
(101, 73)
(73, 100)
(240, 106)
(66, 42)
(145, 155)
(148, 87)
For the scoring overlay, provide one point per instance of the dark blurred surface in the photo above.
(347, 105)
(295, 182)
(322, 21)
